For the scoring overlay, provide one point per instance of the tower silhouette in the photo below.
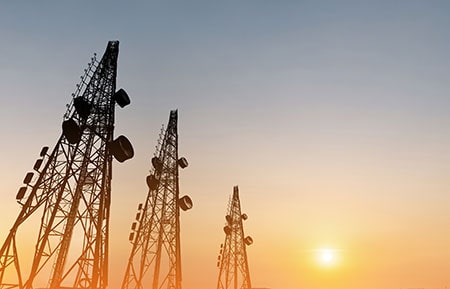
(71, 191)
(155, 259)
(232, 261)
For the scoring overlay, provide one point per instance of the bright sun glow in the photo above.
(327, 257)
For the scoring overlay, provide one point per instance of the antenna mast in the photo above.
(232, 261)
(155, 259)
(71, 191)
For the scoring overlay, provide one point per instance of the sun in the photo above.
(327, 257)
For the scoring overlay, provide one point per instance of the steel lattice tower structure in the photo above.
(232, 260)
(71, 192)
(155, 259)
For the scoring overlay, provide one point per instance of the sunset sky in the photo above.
(333, 117)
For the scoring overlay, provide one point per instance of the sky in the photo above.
(331, 116)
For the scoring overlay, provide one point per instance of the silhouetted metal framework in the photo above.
(232, 260)
(155, 259)
(71, 192)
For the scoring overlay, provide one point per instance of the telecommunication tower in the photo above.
(155, 259)
(70, 193)
(232, 261)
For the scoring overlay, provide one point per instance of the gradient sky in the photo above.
(331, 116)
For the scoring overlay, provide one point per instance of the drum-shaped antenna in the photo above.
(152, 182)
(121, 98)
(183, 163)
(185, 203)
(71, 131)
(248, 240)
(227, 230)
(229, 219)
(157, 163)
(122, 149)
(82, 107)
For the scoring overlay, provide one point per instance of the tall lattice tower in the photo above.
(71, 193)
(155, 259)
(232, 260)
